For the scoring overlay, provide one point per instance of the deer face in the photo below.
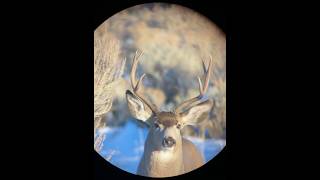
(165, 131)
(165, 127)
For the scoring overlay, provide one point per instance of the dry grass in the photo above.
(172, 46)
(108, 67)
(180, 35)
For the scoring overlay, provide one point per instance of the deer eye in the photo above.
(178, 126)
(156, 125)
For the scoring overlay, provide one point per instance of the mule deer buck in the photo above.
(166, 152)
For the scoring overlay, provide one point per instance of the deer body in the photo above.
(155, 163)
(166, 152)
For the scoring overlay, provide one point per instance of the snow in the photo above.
(123, 147)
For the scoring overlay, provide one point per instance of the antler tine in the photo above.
(202, 88)
(134, 68)
(137, 84)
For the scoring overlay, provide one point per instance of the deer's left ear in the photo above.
(137, 108)
(197, 113)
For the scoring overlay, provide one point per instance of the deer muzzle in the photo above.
(168, 142)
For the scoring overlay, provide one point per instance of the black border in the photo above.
(48, 96)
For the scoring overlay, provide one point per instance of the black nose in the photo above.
(168, 142)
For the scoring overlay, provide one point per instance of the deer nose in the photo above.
(168, 142)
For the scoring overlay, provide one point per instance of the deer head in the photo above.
(165, 127)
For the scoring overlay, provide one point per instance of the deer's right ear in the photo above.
(138, 109)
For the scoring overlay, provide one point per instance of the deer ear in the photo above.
(197, 113)
(138, 109)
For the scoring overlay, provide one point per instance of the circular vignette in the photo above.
(173, 39)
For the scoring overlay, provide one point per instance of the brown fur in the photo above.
(183, 160)
(192, 157)
(167, 119)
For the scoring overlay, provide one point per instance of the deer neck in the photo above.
(159, 163)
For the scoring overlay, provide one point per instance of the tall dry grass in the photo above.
(108, 67)
(173, 40)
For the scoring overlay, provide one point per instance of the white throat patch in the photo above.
(164, 155)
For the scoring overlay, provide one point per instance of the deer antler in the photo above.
(202, 88)
(136, 85)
